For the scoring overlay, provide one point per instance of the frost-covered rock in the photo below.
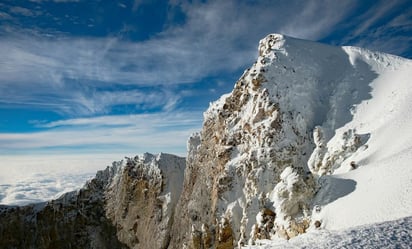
(326, 158)
(291, 198)
(318, 154)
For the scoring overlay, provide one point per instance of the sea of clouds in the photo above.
(27, 180)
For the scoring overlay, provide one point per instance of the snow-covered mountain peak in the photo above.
(270, 43)
(293, 121)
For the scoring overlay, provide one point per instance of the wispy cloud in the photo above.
(138, 3)
(56, 1)
(159, 132)
(74, 70)
(217, 38)
(303, 19)
(23, 11)
(68, 74)
(372, 15)
(384, 26)
(4, 16)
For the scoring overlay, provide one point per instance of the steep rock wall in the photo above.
(141, 201)
(127, 205)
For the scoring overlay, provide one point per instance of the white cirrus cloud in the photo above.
(383, 26)
(68, 74)
(56, 1)
(216, 38)
(160, 132)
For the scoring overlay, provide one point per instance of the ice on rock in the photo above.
(316, 158)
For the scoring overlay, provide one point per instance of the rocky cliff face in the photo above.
(127, 205)
(141, 200)
(251, 173)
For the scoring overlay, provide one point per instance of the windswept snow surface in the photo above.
(391, 234)
(341, 90)
(382, 180)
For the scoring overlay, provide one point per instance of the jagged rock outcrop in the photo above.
(141, 201)
(127, 205)
(324, 159)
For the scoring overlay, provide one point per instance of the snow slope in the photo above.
(383, 175)
(390, 234)
(358, 103)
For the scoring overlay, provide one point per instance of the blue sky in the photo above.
(87, 77)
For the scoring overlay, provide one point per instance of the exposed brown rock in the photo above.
(72, 221)
(225, 236)
(123, 207)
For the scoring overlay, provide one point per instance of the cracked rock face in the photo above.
(141, 201)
